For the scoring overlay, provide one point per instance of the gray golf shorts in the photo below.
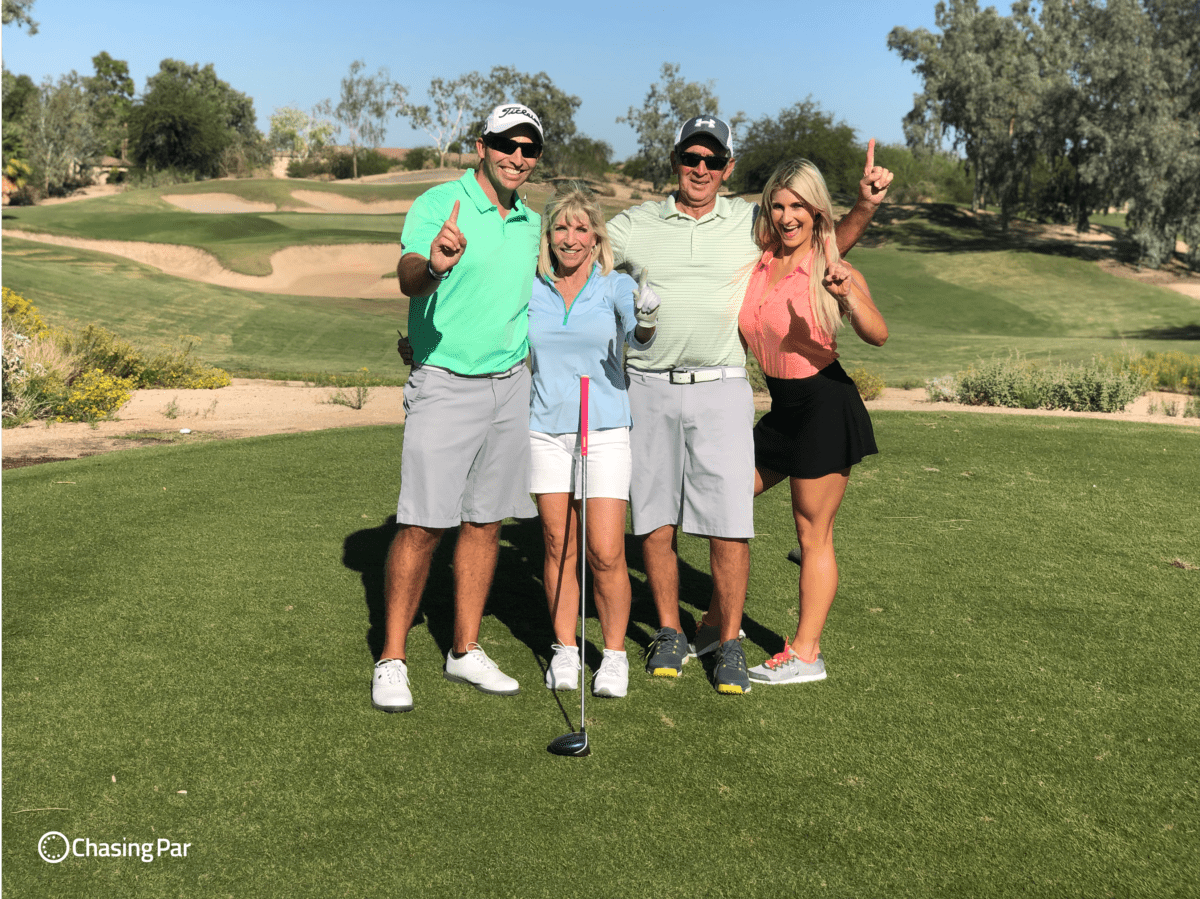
(466, 448)
(693, 455)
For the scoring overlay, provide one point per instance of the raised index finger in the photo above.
(453, 220)
(870, 157)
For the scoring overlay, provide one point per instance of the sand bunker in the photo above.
(331, 202)
(354, 270)
(216, 204)
(307, 201)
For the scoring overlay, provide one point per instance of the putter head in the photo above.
(570, 744)
(796, 555)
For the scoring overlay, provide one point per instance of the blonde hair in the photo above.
(574, 200)
(806, 181)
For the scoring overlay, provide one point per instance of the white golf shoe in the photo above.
(613, 677)
(476, 669)
(563, 673)
(389, 687)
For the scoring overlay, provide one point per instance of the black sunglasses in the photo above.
(693, 160)
(507, 145)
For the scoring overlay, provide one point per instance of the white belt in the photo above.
(694, 375)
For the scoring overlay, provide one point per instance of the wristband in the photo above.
(442, 277)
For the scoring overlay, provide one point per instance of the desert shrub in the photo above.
(1000, 382)
(942, 390)
(96, 347)
(352, 391)
(140, 178)
(21, 316)
(1192, 409)
(1176, 371)
(176, 367)
(93, 396)
(370, 162)
(53, 373)
(35, 377)
(421, 157)
(1014, 382)
(869, 384)
(1095, 387)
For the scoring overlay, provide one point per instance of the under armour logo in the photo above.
(706, 123)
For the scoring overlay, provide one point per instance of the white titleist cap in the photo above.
(510, 115)
(706, 124)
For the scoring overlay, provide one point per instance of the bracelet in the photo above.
(442, 277)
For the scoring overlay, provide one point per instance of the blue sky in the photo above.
(761, 56)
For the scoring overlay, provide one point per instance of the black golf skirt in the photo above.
(816, 426)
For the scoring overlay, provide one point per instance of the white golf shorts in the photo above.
(557, 469)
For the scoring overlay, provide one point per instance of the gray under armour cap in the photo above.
(709, 125)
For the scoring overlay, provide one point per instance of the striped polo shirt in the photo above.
(699, 268)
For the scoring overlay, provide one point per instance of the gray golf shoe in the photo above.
(788, 668)
(667, 653)
(729, 674)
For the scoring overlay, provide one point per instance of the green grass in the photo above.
(954, 290)
(1011, 708)
(242, 242)
(241, 331)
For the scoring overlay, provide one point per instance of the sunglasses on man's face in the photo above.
(507, 145)
(693, 161)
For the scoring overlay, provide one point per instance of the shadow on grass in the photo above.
(946, 228)
(517, 599)
(1178, 332)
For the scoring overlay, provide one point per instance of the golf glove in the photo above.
(646, 307)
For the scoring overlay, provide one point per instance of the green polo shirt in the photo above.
(477, 320)
(700, 268)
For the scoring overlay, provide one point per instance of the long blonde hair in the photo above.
(806, 181)
(574, 200)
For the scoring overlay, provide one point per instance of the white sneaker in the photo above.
(613, 677)
(563, 673)
(476, 669)
(389, 688)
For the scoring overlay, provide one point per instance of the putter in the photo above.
(576, 744)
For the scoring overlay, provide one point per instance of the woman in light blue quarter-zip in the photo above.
(581, 315)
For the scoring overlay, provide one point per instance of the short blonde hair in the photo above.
(574, 200)
(805, 180)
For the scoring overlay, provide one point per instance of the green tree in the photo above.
(295, 132)
(449, 113)
(60, 137)
(668, 103)
(982, 84)
(800, 130)
(554, 107)
(189, 119)
(110, 96)
(365, 105)
(584, 156)
(18, 93)
(18, 11)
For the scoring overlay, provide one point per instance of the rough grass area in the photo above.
(1011, 708)
(953, 292)
(237, 330)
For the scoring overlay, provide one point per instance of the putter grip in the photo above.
(583, 414)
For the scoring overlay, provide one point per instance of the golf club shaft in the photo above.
(583, 460)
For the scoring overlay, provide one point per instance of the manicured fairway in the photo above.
(1011, 710)
(953, 293)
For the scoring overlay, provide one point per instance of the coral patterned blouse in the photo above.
(779, 327)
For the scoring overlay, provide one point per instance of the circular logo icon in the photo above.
(53, 847)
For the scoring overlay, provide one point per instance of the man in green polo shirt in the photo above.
(692, 405)
(468, 255)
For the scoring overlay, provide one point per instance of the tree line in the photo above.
(1068, 108)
